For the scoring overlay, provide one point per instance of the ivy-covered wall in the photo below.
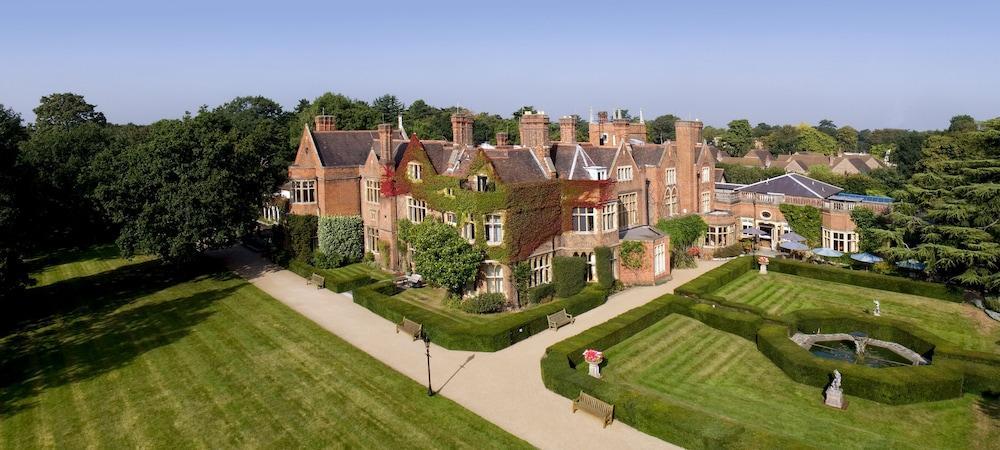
(805, 220)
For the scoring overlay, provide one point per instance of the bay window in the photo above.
(303, 191)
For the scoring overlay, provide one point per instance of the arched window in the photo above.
(671, 201)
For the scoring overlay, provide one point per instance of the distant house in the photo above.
(845, 164)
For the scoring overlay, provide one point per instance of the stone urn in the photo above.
(594, 358)
(762, 260)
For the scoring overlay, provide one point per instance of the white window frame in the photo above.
(493, 273)
(659, 259)
(623, 173)
(706, 174)
(450, 218)
(718, 235)
(671, 177)
(414, 170)
(541, 269)
(672, 201)
(494, 229)
(303, 191)
(416, 210)
(373, 190)
(584, 220)
(629, 216)
(842, 241)
(706, 202)
(469, 231)
(371, 239)
(609, 217)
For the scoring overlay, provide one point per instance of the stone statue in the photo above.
(878, 309)
(834, 395)
(836, 380)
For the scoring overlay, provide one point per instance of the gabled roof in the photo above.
(648, 154)
(345, 148)
(515, 165)
(793, 184)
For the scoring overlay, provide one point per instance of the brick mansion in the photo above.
(538, 199)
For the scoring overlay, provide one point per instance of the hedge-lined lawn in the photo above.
(357, 269)
(434, 299)
(683, 360)
(153, 358)
(779, 293)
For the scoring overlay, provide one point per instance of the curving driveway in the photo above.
(504, 387)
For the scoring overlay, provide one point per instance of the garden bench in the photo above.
(593, 405)
(318, 280)
(411, 328)
(559, 319)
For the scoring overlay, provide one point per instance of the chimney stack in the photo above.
(385, 143)
(567, 130)
(534, 128)
(461, 128)
(502, 139)
(325, 123)
(688, 139)
(602, 117)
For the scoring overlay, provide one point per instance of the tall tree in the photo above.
(195, 183)
(827, 127)
(388, 107)
(350, 114)
(847, 138)
(812, 140)
(738, 138)
(68, 133)
(13, 226)
(782, 140)
(962, 123)
(661, 129)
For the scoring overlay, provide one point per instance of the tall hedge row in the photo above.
(341, 238)
(605, 273)
(494, 335)
(569, 275)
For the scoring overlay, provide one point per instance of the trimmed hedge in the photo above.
(891, 385)
(605, 273)
(497, 334)
(335, 280)
(569, 275)
(867, 279)
(541, 293)
(674, 422)
(714, 279)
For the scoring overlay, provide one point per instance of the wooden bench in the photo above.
(559, 319)
(595, 406)
(318, 280)
(411, 328)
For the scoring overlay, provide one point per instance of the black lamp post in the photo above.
(427, 348)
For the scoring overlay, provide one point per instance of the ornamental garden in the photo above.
(717, 365)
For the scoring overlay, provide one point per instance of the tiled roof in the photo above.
(515, 165)
(793, 184)
(648, 154)
(345, 148)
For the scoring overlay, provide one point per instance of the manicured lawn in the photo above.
(779, 293)
(66, 265)
(140, 355)
(356, 269)
(683, 360)
(434, 299)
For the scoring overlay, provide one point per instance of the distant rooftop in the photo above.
(793, 184)
(845, 197)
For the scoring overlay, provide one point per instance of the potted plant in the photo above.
(594, 358)
(762, 260)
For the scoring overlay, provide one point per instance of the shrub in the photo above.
(297, 236)
(486, 303)
(327, 260)
(521, 272)
(683, 231)
(867, 279)
(730, 251)
(341, 239)
(442, 256)
(992, 303)
(605, 273)
(631, 253)
(570, 275)
(541, 293)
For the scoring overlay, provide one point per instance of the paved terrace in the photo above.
(503, 387)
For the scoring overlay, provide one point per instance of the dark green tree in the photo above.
(442, 256)
(827, 127)
(388, 107)
(782, 140)
(738, 138)
(661, 129)
(847, 138)
(350, 114)
(13, 225)
(962, 123)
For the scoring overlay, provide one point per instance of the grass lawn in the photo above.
(139, 355)
(354, 270)
(686, 361)
(66, 265)
(779, 293)
(434, 299)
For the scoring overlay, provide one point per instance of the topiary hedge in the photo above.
(569, 275)
(341, 239)
(494, 335)
(714, 279)
(867, 279)
(605, 273)
(541, 293)
(336, 280)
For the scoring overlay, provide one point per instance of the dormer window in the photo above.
(597, 172)
(482, 183)
(624, 173)
(414, 170)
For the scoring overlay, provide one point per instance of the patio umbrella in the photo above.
(866, 258)
(911, 264)
(828, 252)
(793, 246)
(755, 232)
(792, 236)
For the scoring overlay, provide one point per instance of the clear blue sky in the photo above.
(870, 64)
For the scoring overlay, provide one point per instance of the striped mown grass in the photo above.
(153, 358)
(434, 299)
(354, 270)
(779, 293)
(73, 264)
(683, 360)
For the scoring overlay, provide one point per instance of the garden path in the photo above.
(504, 387)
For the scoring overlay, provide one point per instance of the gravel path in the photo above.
(503, 387)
